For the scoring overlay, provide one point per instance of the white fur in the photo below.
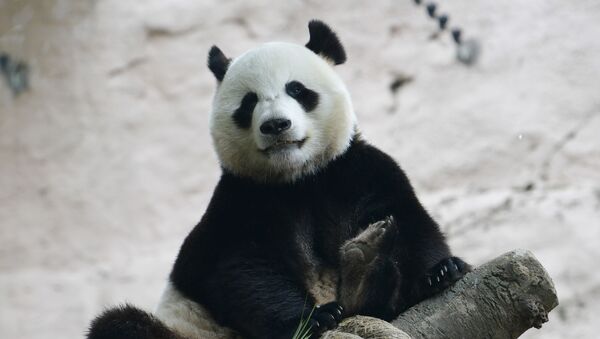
(189, 319)
(266, 70)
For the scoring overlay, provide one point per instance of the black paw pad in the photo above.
(325, 317)
(445, 273)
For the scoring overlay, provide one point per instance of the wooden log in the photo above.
(501, 299)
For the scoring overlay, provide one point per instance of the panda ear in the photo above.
(324, 42)
(218, 62)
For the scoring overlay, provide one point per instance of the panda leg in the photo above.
(128, 322)
(369, 279)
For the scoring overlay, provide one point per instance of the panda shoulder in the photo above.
(367, 156)
(375, 165)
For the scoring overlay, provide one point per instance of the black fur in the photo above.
(128, 322)
(243, 115)
(218, 62)
(247, 259)
(307, 98)
(323, 41)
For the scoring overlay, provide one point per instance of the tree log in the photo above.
(501, 299)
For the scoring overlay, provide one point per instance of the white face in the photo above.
(280, 112)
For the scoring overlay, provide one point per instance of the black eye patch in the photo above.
(243, 115)
(307, 98)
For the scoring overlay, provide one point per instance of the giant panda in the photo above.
(307, 222)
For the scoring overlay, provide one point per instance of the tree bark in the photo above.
(501, 299)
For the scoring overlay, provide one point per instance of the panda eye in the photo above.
(243, 114)
(294, 89)
(307, 98)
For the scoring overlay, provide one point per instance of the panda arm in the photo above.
(420, 250)
(242, 287)
(256, 297)
(241, 290)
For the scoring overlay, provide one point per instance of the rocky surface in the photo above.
(106, 162)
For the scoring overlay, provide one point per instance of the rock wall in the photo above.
(106, 162)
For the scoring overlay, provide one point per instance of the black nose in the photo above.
(275, 126)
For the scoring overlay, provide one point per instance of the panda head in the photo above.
(280, 111)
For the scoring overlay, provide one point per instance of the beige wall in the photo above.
(106, 163)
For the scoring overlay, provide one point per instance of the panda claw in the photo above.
(325, 317)
(445, 273)
(340, 311)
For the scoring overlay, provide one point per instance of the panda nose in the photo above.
(275, 126)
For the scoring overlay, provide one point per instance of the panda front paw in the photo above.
(325, 317)
(444, 274)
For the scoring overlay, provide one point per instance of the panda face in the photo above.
(280, 112)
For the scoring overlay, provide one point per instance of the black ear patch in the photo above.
(324, 42)
(218, 62)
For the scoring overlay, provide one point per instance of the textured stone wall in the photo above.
(106, 162)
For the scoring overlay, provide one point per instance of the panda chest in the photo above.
(309, 228)
(319, 274)
(319, 233)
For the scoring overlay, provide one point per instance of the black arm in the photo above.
(254, 296)
(230, 263)
(420, 252)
